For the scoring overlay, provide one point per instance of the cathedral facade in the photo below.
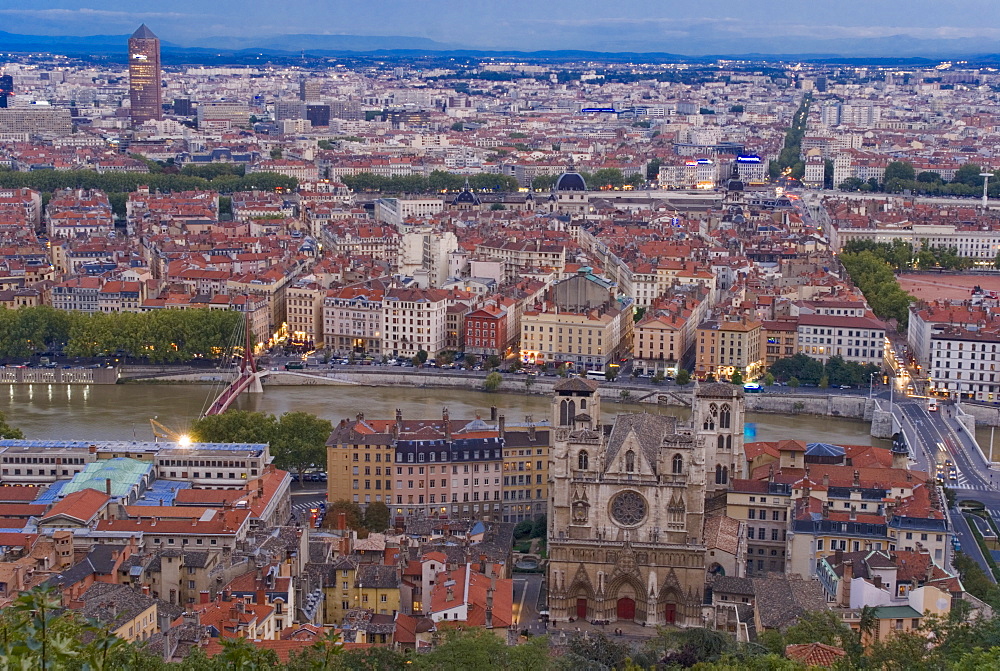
(627, 505)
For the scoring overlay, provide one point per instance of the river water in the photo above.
(122, 412)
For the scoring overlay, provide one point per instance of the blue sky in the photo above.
(663, 25)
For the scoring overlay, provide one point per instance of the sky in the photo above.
(690, 26)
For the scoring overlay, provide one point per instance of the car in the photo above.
(846, 386)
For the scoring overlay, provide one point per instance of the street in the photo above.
(935, 438)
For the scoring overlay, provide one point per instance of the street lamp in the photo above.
(871, 385)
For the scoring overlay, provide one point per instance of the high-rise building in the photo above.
(310, 88)
(6, 89)
(144, 84)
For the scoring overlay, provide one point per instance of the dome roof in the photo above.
(570, 181)
(466, 197)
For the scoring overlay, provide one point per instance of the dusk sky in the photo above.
(661, 25)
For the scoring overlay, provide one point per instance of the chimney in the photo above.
(399, 420)
(261, 597)
(107, 486)
(204, 596)
(446, 422)
(857, 478)
(838, 556)
(482, 564)
(826, 509)
(848, 577)
(449, 595)
(93, 449)
(361, 416)
(227, 595)
(826, 479)
(341, 521)
(531, 429)
(493, 413)
(501, 425)
(929, 575)
(854, 513)
(770, 473)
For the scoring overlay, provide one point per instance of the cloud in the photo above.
(87, 13)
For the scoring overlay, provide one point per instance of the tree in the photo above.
(820, 626)
(354, 518)
(470, 360)
(539, 527)
(929, 177)
(492, 381)
(523, 529)
(736, 377)
(445, 357)
(8, 431)
(625, 396)
(492, 361)
(900, 170)
(562, 370)
(768, 380)
(824, 382)
(422, 356)
(275, 153)
(710, 377)
(300, 442)
(793, 382)
(659, 377)
(376, 516)
(683, 377)
(458, 126)
(592, 651)
(235, 426)
(851, 184)
(516, 364)
(610, 373)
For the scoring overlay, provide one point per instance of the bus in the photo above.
(596, 375)
(932, 405)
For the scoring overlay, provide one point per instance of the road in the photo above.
(304, 500)
(527, 587)
(936, 438)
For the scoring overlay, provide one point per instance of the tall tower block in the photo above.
(144, 81)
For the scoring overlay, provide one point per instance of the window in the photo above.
(583, 460)
(678, 464)
(630, 461)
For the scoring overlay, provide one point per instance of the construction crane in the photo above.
(161, 431)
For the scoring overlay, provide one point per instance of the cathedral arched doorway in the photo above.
(670, 613)
(581, 608)
(626, 608)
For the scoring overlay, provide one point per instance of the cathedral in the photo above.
(627, 504)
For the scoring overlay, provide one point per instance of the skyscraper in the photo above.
(6, 89)
(144, 75)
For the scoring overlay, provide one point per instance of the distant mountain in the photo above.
(317, 43)
(894, 48)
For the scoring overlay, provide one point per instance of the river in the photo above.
(122, 412)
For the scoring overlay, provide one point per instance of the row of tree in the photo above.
(375, 516)
(877, 282)
(901, 176)
(802, 369)
(158, 336)
(125, 182)
(790, 157)
(297, 439)
(599, 179)
(899, 254)
(437, 181)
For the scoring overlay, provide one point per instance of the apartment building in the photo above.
(414, 320)
(963, 363)
(353, 320)
(659, 343)
(860, 340)
(726, 346)
(780, 338)
(304, 303)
